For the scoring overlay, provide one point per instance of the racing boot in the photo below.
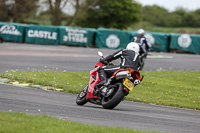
(101, 84)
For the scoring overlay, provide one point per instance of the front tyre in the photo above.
(113, 100)
(81, 98)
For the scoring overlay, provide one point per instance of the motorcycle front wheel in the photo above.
(113, 100)
(81, 98)
(142, 61)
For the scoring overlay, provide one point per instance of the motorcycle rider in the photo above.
(129, 59)
(141, 39)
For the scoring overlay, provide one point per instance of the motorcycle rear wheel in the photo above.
(81, 98)
(113, 100)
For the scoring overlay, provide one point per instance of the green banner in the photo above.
(12, 32)
(185, 42)
(37, 34)
(113, 39)
(76, 36)
(156, 41)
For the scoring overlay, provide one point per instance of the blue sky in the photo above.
(171, 5)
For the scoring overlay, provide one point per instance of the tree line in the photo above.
(160, 16)
(119, 14)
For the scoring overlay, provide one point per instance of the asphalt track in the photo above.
(133, 115)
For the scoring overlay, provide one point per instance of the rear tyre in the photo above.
(113, 100)
(81, 98)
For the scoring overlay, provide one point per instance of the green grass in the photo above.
(42, 21)
(45, 20)
(71, 82)
(23, 123)
(172, 88)
(150, 28)
(165, 29)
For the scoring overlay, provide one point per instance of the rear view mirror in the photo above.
(100, 53)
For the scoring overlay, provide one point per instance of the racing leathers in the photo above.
(139, 38)
(129, 59)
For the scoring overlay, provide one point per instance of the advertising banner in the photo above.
(185, 42)
(37, 34)
(156, 41)
(112, 39)
(76, 36)
(12, 32)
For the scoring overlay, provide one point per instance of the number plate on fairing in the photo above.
(129, 85)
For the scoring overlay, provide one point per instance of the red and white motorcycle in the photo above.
(118, 86)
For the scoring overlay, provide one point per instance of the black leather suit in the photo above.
(129, 59)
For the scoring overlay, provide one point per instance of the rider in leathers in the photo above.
(129, 59)
(141, 39)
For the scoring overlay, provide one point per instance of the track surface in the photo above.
(126, 114)
(25, 57)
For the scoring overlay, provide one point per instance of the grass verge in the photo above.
(23, 123)
(172, 88)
